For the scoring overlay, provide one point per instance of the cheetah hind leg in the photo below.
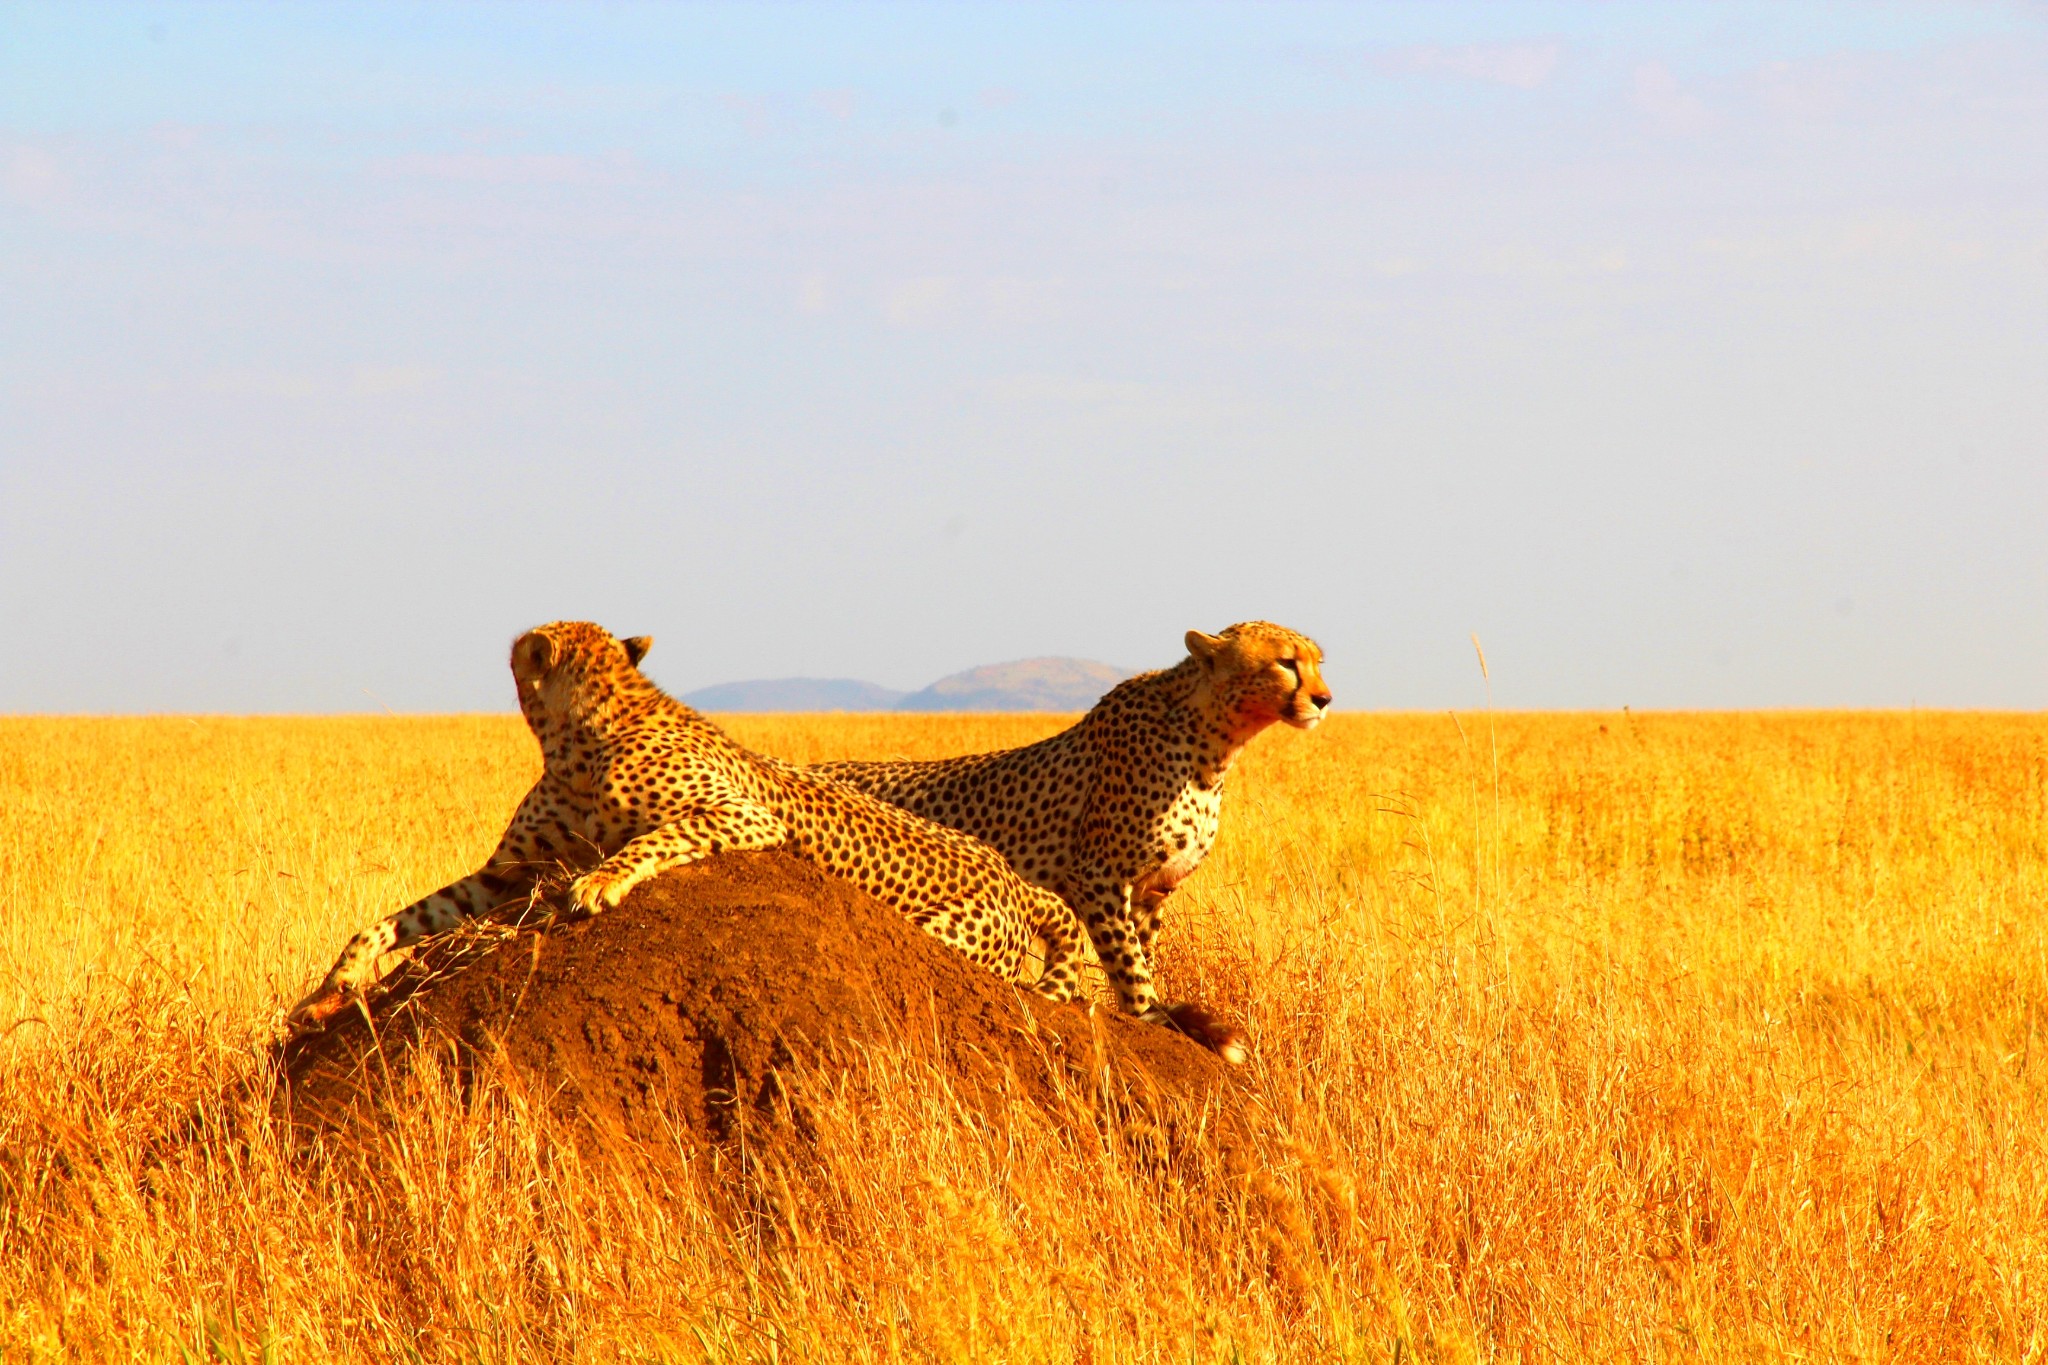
(1061, 934)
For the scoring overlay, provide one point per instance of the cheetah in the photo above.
(634, 782)
(1115, 812)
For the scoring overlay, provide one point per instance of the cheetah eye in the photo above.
(1288, 667)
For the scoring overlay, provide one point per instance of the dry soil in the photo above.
(699, 1010)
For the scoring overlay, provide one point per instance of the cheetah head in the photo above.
(1260, 673)
(570, 669)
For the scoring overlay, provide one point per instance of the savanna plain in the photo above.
(1575, 1037)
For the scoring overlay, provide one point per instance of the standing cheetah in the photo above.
(635, 782)
(1117, 811)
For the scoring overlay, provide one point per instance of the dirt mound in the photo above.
(691, 1007)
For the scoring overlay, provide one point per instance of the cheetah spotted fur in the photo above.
(635, 782)
(1115, 812)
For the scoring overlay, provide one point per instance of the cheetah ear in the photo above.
(637, 647)
(1204, 647)
(538, 651)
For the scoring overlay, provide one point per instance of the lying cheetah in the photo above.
(1117, 811)
(635, 782)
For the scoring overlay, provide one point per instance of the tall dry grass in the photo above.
(1578, 1038)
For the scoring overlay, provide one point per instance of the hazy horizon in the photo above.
(1693, 355)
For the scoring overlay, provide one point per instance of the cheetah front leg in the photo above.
(1148, 912)
(1104, 904)
(511, 871)
(1122, 924)
(694, 833)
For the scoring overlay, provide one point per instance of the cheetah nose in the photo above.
(1321, 699)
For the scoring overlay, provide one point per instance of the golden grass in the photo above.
(1664, 1037)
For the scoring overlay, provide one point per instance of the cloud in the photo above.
(378, 381)
(923, 301)
(1010, 299)
(840, 104)
(814, 295)
(751, 111)
(937, 300)
(1809, 91)
(299, 385)
(32, 175)
(1526, 261)
(179, 136)
(1657, 93)
(1122, 401)
(1878, 241)
(1522, 65)
(519, 169)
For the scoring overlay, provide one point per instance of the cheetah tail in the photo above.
(1208, 1028)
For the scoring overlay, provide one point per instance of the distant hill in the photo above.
(795, 694)
(1026, 685)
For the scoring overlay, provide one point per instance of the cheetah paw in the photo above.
(593, 893)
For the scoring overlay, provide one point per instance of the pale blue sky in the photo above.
(1691, 355)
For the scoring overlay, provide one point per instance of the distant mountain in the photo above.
(1026, 685)
(795, 694)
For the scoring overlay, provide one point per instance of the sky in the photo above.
(1689, 355)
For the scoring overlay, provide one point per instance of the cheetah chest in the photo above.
(1182, 839)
